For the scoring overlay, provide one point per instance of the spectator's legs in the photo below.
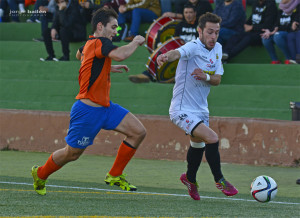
(269, 45)
(140, 15)
(65, 35)
(123, 17)
(48, 42)
(238, 43)
(166, 6)
(14, 10)
(280, 39)
(297, 41)
(3, 8)
(225, 34)
(45, 19)
(291, 42)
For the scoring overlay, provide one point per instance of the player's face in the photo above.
(110, 30)
(209, 34)
(189, 15)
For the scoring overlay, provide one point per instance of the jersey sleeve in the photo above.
(187, 50)
(105, 48)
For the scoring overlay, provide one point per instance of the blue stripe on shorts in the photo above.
(86, 122)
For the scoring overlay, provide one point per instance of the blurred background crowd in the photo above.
(268, 23)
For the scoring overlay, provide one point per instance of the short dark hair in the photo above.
(208, 17)
(104, 16)
(189, 5)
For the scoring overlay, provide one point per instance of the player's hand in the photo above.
(161, 59)
(295, 25)
(53, 33)
(139, 39)
(199, 75)
(248, 28)
(122, 9)
(168, 14)
(266, 34)
(118, 68)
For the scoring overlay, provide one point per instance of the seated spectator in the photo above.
(293, 37)
(279, 37)
(138, 11)
(262, 17)
(186, 29)
(202, 6)
(70, 27)
(233, 19)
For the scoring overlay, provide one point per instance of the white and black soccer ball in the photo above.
(263, 189)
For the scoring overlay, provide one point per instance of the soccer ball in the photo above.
(263, 189)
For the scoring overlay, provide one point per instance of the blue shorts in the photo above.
(86, 122)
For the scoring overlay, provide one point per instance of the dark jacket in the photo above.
(233, 15)
(202, 7)
(70, 18)
(262, 16)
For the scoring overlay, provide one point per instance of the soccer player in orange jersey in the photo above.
(93, 110)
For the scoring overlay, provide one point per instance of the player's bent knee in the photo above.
(142, 133)
(212, 139)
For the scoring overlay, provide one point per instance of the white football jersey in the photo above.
(190, 94)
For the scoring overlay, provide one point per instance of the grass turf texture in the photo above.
(149, 176)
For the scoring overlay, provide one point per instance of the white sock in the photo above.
(1, 12)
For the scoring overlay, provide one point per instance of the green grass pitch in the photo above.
(78, 189)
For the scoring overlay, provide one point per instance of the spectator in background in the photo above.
(138, 11)
(43, 10)
(11, 9)
(70, 27)
(90, 6)
(114, 4)
(46, 12)
(186, 29)
(293, 37)
(201, 6)
(262, 17)
(233, 19)
(278, 36)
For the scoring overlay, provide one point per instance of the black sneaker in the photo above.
(63, 58)
(49, 59)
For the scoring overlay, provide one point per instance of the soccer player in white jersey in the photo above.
(199, 67)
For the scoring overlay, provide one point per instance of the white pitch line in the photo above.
(149, 193)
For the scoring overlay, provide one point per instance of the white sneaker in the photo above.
(292, 62)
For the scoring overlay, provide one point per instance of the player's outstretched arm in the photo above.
(124, 52)
(168, 57)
